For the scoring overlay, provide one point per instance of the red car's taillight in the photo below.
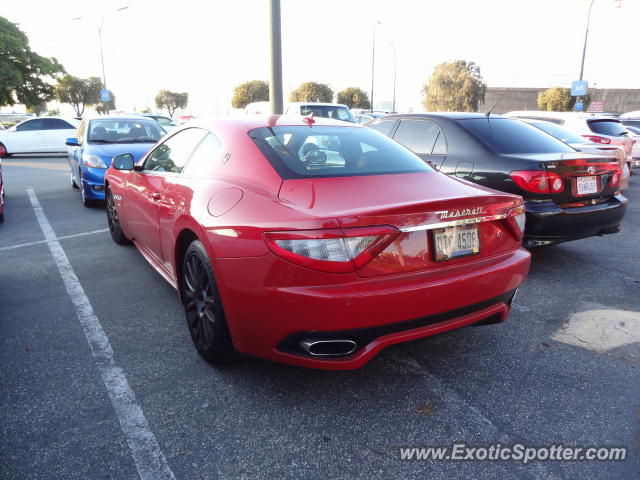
(538, 181)
(331, 250)
(597, 139)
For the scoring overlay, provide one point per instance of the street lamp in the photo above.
(373, 58)
(104, 77)
(586, 36)
(395, 70)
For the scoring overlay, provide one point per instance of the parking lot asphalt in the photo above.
(509, 383)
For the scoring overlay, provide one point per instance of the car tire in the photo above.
(3, 151)
(89, 202)
(117, 234)
(203, 307)
(1, 217)
(74, 185)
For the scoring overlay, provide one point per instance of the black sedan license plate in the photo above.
(454, 242)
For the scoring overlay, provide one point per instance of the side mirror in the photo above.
(72, 142)
(124, 161)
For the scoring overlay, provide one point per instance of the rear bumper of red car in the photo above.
(273, 306)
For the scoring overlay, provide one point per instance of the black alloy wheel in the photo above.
(117, 234)
(203, 308)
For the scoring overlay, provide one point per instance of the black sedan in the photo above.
(568, 195)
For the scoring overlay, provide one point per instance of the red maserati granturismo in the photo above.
(314, 242)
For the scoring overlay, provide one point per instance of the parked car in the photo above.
(37, 135)
(1, 195)
(167, 123)
(582, 145)
(568, 195)
(630, 122)
(97, 141)
(278, 254)
(634, 133)
(366, 117)
(335, 111)
(603, 130)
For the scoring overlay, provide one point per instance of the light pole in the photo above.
(373, 58)
(395, 70)
(104, 77)
(586, 37)
(275, 85)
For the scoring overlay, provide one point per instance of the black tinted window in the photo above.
(172, 155)
(418, 136)
(30, 125)
(384, 126)
(323, 151)
(56, 124)
(206, 156)
(607, 127)
(504, 135)
(632, 123)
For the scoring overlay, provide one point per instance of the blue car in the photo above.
(98, 141)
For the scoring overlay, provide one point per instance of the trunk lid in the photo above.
(417, 204)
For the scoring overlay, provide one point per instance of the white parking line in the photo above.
(64, 237)
(148, 457)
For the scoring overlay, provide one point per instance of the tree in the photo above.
(79, 92)
(455, 86)
(354, 97)
(249, 92)
(105, 107)
(312, 92)
(171, 100)
(24, 75)
(37, 109)
(558, 99)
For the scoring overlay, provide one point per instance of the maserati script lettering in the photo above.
(460, 213)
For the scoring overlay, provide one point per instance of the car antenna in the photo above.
(491, 109)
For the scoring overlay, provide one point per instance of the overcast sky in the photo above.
(208, 47)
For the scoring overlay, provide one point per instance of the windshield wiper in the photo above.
(100, 141)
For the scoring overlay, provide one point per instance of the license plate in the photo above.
(454, 242)
(586, 185)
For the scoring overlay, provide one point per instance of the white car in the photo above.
(336, 111)
(602, 130)
(635, 136)
(167, 123)
(38, 135)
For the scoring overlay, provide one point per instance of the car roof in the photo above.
(116, 117)
(317, 103)
(249, 122)
(450, 115)
(561, 115)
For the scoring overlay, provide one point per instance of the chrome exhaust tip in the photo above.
(329, 348)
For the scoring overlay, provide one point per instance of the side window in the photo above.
(383, 126)
(440, 148)
(417, 135)
(172, 155)
(30, 125)
(205, 158)
(56, 124)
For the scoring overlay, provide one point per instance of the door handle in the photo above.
(155, 196)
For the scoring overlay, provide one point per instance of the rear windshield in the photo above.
(507, 136)
(335, 112)
(607, 127)
(327, 151)
(124, 130)
(559, 132)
